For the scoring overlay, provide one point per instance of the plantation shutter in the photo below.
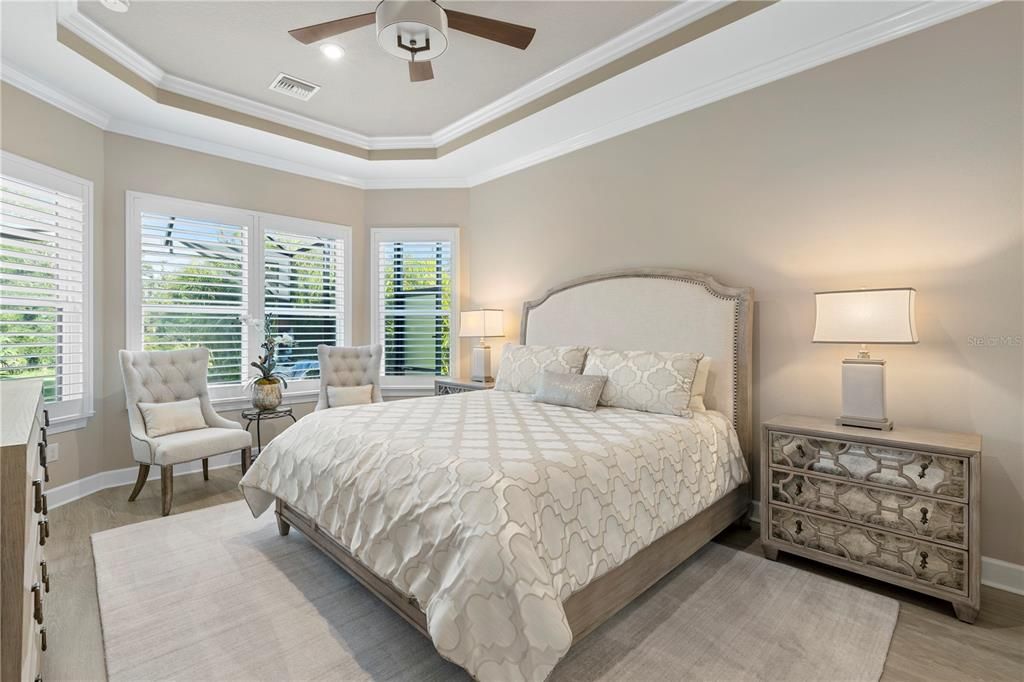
(194, 290)
(303, 297)
(42, 288)
(414, 306)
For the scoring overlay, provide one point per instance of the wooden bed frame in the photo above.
(595, 603)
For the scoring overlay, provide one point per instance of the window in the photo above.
(46, 286)
(194, 276)
(415, 302)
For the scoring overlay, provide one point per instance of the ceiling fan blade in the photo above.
(420, 71)
(502, 32)
(311, 34)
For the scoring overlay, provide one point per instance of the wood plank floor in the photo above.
(929, 643)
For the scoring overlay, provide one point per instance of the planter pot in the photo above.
(266, 396)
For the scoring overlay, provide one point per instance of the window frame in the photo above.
(67, 415)
(397, 385)
(233, 396)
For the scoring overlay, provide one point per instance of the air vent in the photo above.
(294, 87)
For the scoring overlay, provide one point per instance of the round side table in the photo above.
(253, 415)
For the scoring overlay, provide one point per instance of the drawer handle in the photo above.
(42, 639)
(44, 532)
(924, 468)
(800, 449)
(42, 437)
(924, 560)
(46, 507)
(799, 488)
(37, 603)
(43, 463)
(799, 526)
(46, 418)
(44, 572)
(924, 516)
(37, 493)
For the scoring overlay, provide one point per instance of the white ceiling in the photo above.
(786, 38)
(239, 47)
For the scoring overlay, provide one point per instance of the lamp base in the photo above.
(877, 424)
(480, 364)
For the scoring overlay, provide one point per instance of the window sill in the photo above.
(69, 423)
(235, 403)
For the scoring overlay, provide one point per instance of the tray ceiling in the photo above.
(239, 47)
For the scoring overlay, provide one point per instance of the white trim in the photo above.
(995, 573)
(256, 222)
(75, 490)
(63, 101)
(74, 413)
(914, 19)
(401, 386)
(85, 28)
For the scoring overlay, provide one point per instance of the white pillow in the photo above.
(522, 366)
(644, 380)
(700, 385)
(164, 418)
(342, 396)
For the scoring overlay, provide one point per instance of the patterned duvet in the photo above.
(491, 509)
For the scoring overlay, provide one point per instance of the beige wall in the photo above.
(899, 166)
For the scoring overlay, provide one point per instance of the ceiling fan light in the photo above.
(411, 23)
(119, 6)
(332, 51)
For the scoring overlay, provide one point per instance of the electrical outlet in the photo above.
(53, 452)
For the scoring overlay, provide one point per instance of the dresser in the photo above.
(24, 529)
(901, 506)
(449, 386)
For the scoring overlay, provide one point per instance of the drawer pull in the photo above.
(43, 463)
(46, 507)
(37, 603)
(799, 488)
(924, 516)
(799, 527)
(924, 560)
(37, 493)
(46, 418)
(924, 468)
(42, 639)
(42, 437)
(44, 532)
(44, 573)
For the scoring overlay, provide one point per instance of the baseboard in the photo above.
(69, 492)
(995, 573)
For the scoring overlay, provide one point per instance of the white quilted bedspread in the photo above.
(491, 509)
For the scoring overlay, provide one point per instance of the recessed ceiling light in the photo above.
(332, 51)
(116, 5)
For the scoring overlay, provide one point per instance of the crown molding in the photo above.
(88, 30)
(72, 105)
(914, 19)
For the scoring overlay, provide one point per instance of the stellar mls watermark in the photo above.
(996, 341)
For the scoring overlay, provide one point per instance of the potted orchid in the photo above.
(266, 388)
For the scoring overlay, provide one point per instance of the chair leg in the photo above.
(166, 487)
(139, 482)
(246, 459)
(206, 468)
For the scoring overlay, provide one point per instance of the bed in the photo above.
(504, 529)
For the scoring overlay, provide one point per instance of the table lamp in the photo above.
(482, 324)
(865, 316)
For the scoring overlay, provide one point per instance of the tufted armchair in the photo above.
(348, 366)
(167, 376)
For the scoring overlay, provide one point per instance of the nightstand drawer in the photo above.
(922, 562)
(925, 517)
(894, 468)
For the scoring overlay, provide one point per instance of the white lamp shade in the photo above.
(412, 21)
(481, 323)
(865, 316)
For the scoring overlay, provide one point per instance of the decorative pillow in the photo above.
(341, 396)
(700, 385)
(522, 366)
(164, 418)
(571, 390)
(644, 380)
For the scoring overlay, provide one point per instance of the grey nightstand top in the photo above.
(903, 437)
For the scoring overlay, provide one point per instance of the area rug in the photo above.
(216, 595)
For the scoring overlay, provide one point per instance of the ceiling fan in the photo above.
(417, 31)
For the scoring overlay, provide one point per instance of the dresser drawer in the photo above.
(922, 562)
(925, 517)
(898, 469)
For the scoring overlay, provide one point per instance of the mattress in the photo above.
(491, 509)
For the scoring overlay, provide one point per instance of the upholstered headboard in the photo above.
(657, 309)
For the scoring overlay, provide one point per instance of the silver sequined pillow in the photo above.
(521, 366)
(570, 390)
(644, 380)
